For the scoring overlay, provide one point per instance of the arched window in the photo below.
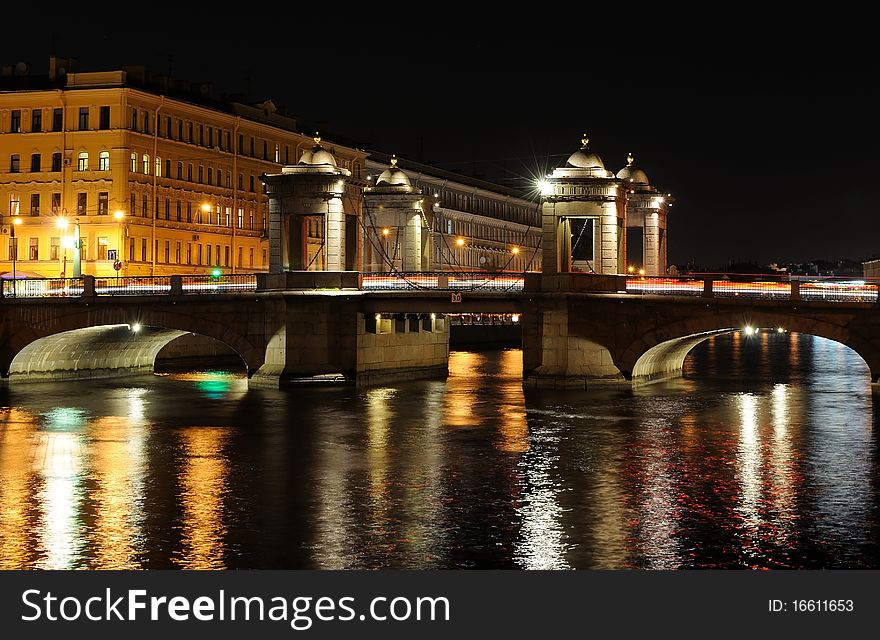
(134, 162)
(83, 161)
(158, 166)
(147, 163)
(104, 161)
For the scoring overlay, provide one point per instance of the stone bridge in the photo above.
(575, 331)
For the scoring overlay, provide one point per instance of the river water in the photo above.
(763, 454)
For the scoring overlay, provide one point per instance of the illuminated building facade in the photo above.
(150, 172)
(474, 225)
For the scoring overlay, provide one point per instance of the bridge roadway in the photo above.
(577, 330)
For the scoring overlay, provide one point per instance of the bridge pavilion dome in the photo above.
(317, 155)
(393, 176)
(583, 158)
(633, 174)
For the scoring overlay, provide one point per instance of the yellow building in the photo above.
(149, 175)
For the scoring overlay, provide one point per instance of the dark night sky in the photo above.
(764, 133)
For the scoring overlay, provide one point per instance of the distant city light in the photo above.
(135, 327)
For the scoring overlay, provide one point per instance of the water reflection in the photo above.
(762, 455)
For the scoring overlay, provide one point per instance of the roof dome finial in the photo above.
(629, 159)
(585, 141)
(317, 138)
(393, 160)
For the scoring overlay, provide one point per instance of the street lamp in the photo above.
(15, 222)
(120, 216)
(61, 223)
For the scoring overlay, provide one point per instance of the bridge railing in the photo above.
(133, 285)
(447, 280)
(42, 287)
(811, 288)
(219, 284)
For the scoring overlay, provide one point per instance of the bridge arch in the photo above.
(39, 342)
(663, 349)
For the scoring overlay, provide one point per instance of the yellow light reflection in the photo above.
(514, 429)
(17, 479)
(749, 463)
(203, 489)
(117, 464)
(464, 368)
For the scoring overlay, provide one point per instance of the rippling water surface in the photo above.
(762, 455)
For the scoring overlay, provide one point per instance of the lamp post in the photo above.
(15, 222)
(61, 223)
(120, 216)
(77, 251)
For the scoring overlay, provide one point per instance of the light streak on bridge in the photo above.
(712, 285)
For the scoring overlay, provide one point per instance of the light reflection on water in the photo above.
(762, 455)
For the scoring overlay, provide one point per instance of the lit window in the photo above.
(104, 161)
(82, 163)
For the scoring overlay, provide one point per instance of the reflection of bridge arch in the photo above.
(663, 349)
(88, 333)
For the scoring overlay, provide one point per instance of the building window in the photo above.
(265, 150)
(189, 132)
(208, 247)
(252, 183)
(226, 255)
(168, 168)
(56, 202)
(240, 257)
(218, 210)
(265, 262)
(82, 163)
(240, 143)
(277, 152)
(83, 118)
(143, 249)
(132, 205)
(218, 255)
(219, 178)
(167, 251)
(201, 174)
(240, 218)
(180, 171)
(103, 243)
(189, 212)
(36, 121)
(131, 249)
(145, 208)
(253, 148)
(210, 136)
(228, 212)
(104, 161)
(15, 121)
(134, 119)
(189, 172)
(210, 175)
(201, 134)
(168, 208)
(178, 211)
(12, 251)
(228, 141)
(240, 181)
(177, 254)
(81, 204)
(103, 203)
(14, 204)
(189, 253)
(56, 162)
(57, 119)
(33, 249)
(228, 179)
(286, 154)
(134, 162)
(35, 162)
(35, 204)
(146, 123)
(158, 166)
(104, 118)
(14, 163)
(54, 248)
(169, 130)
(146, 163)
(180, 129)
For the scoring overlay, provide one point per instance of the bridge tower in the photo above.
(307, 219)
(397, 225)
(583, 216)
(646, 208)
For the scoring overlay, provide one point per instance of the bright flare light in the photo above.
(119, 215)
(136, 327)
(641, 272)
(385, 232)
(61, 223)
(460, 242)
(545, 187)
(515, 250)
(780, 330)
(749, 331)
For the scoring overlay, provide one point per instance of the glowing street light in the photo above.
(460, 242)
(515, 250)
